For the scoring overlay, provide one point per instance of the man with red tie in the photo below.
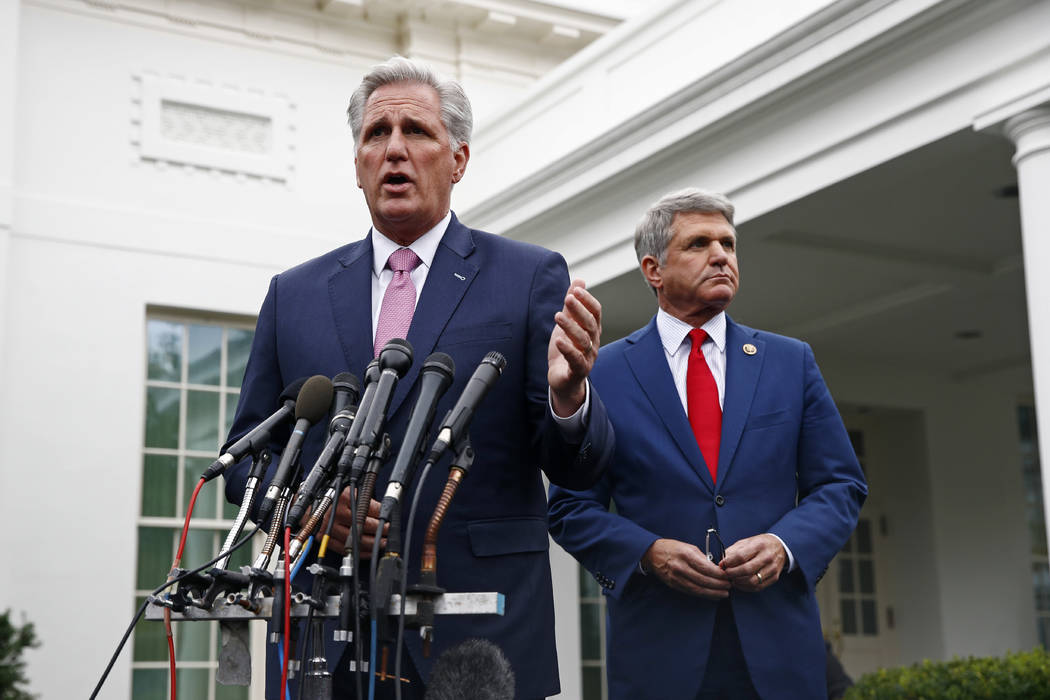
(724, 434)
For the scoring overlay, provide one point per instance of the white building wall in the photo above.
(93, 232)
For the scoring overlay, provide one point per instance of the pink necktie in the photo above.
(399, 301)
(705, 413)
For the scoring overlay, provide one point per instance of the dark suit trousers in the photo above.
(726, 675)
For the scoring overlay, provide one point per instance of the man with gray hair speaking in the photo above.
(420, 274)
(724, 434)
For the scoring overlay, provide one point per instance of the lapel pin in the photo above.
(750, 349)
(459, 276)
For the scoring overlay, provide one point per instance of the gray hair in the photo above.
(653, 234)
(456, 114)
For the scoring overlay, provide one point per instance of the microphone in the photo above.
(346, 388)
(394, 360)
(313, 402)
(472, 670)
(435, 378)
(456, 423)
(257, 437)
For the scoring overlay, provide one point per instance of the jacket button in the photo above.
(720, 500)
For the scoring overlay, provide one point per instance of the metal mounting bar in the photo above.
(445, 604)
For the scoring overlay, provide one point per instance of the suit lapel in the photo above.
(350, 291)
(645, 355)
(742, 372)
(450, 275)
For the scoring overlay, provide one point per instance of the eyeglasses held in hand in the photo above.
(719, 552)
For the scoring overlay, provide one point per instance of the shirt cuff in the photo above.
(573, 427)
(787, 550)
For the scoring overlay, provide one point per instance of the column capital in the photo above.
(1030, 132)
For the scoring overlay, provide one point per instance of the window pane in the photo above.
(1043, 624)
(201, 546)
(192, 641)
(164, 350)
(592, 683)
(231, 411)
(590, 632)
(867, 576)
(238, 343)
(156, 552)
(207, 502)
(848, 610)
(149, 682)
(150, 643)
(162, 417)
(1041, 581)
(243, 556)
(202, 421)
(845, 575)
(192, 683)
(863, 536)
(588, 586)
(159, 474)
(868, 617)
(231, 692)
(205, 354)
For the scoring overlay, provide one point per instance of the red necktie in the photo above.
(705, 413)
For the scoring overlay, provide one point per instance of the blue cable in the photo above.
(372, 664)
(280, 643)
(302, 556)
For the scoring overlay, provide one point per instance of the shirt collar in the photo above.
(674, 332)
(425, 246)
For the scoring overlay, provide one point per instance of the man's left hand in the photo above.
(754, 563)
(573, 349)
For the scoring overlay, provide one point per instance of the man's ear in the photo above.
(651, 272)
(357, 174)
(460, 159)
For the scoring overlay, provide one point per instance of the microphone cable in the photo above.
(404, 577)
(147, 601)
(174, 565)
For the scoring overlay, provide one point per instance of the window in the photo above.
(1033, 487)
(592, 638)
(193, 379)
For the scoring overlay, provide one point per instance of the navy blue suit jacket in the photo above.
(482, 293)
(782, 439)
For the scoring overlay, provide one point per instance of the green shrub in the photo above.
(1022, 675)
(14, 639)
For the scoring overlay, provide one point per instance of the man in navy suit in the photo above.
(474, 293)
(724, 434)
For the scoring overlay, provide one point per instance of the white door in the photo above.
(856, 611)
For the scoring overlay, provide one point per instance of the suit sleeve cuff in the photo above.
(574, 427)
(787, 550)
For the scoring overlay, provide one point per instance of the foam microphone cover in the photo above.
(472, 670)
(314, 399)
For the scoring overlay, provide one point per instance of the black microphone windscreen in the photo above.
(396, 355)
(472, 670)
(496, 359)
(291, 392)
(441, 362)
(314, 398)
(348, 381)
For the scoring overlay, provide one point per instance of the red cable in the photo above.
(175, 565)
(287, 613)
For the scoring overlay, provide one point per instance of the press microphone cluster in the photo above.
(354, 447)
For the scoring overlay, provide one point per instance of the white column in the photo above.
(1030, 131)
(9, 26)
